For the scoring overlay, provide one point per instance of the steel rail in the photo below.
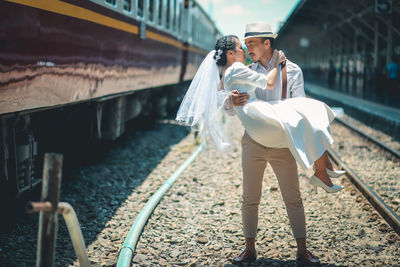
(385, 211)
(369, 137)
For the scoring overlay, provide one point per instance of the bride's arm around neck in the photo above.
(239, 74)
(277, 58)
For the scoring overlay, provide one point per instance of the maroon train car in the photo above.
(79, 69)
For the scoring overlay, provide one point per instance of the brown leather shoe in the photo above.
(307, 260)
(245, 256)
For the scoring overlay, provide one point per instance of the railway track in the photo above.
(347, 215)
(371, 196)
(198, 221)
(369, 137)
(386, 210)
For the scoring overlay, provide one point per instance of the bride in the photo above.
(300, 124)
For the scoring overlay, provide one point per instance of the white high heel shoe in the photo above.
(333, 174)
(315, 181)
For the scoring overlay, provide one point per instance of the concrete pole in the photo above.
(389, 40)
(348, 57)
(364, 64)
(320, 56)
(330, 50)
(355, 59)
(341, 60)
(376, 45)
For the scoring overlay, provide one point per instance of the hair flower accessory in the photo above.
(218, 54)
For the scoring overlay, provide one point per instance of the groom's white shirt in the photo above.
(295, 82)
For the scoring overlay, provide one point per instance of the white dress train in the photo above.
(300, 124)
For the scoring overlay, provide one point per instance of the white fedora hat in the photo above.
(259, 29)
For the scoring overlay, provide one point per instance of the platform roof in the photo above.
(322, 26)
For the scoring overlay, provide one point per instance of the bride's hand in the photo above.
(281, 57)
(275, 58)
(278, 57)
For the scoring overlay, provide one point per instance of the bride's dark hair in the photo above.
(224, 44)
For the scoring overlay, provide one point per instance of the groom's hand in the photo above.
(239, 99)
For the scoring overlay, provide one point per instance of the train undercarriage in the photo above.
(73, 130)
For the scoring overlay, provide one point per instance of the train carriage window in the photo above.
(194, 29)
(180, 17)
(150, 11)
(127, 5)
(111, 2)
(197, 30)
(168, 24)
(174, 15)
(160, 9)
(140, 7)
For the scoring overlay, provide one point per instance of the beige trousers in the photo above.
(254, 162)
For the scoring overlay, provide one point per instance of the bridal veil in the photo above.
(200, 108)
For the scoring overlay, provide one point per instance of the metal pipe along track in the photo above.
(128, 247)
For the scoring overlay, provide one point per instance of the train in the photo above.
(76, 71)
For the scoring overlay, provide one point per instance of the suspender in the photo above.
(284, 80)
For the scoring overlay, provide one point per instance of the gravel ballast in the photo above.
(198, 222)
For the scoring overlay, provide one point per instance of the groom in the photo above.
(259, 40)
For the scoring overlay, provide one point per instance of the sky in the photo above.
(231, 16)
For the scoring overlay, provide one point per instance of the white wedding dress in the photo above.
(300, 124)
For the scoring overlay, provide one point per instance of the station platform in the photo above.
(369, 112)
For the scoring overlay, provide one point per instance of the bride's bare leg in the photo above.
(320, 169)
(329, 164)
